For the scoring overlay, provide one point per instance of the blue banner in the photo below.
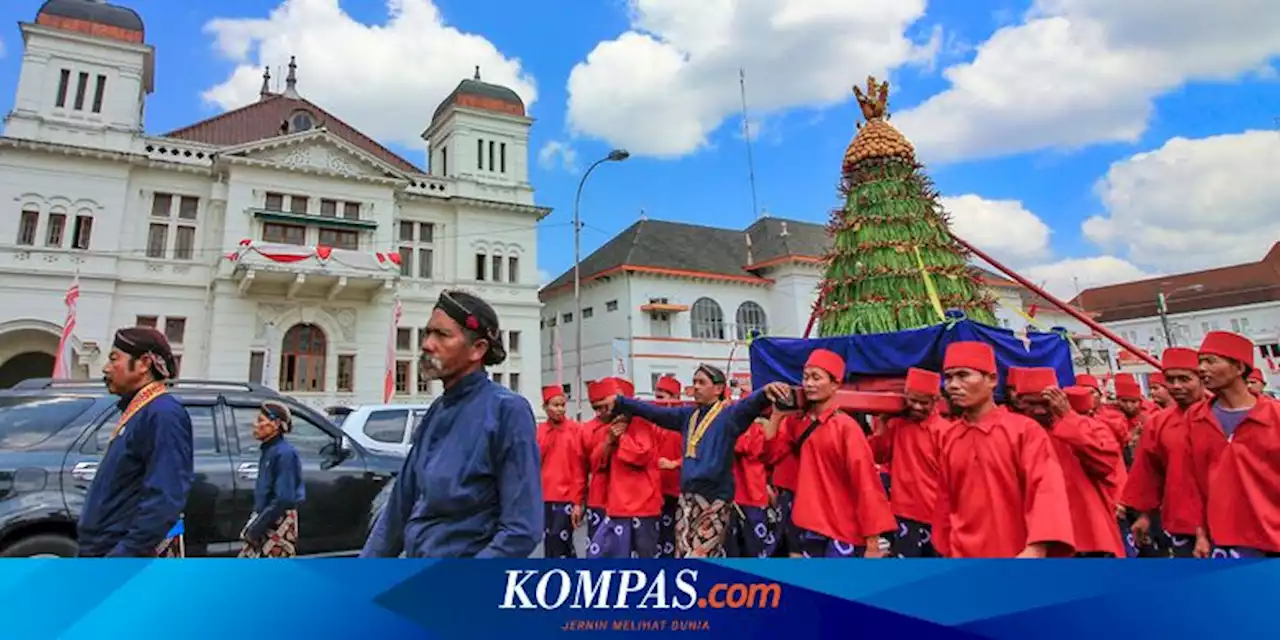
(528, 600)
(891, 354)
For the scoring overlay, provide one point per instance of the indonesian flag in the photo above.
(389, 382)
(62, 362)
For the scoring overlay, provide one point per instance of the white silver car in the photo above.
(385, 428)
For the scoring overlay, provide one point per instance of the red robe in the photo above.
(1121, 426)
(1088, 454)
(912, 448)
(560, 446)
(671, 447)
(1000, 490)
(593, 434)
(1239, 479)
(778, 454)
(635, 486)
(750, 485)
(838, 493)
(1161, 476)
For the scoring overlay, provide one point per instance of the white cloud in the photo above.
(544, 277)
(555, 153)
(1193, 204)
(660, 88)
(1079, 72)
(384, 79)
(1064, 278)
(1002, 228)
(1, 48)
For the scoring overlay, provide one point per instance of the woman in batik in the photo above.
(272, 530)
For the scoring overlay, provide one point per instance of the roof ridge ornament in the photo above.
(477, 78)
(291, 81)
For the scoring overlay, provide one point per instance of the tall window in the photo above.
(302, 359)
(82, 85)
(750, 317)
(480, 265)
(64, 81)
(513, 269)
(340, 239)
(82, 232)
(165, 225)
(57, 228)
(346, 372)
(706, 320)
(294, 234)
(479, 154)
(496, 273)
(491, 149)
(502, 157)
(417, 245)
(99, 92)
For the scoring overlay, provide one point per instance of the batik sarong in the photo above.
(174, 543)
(281, 540)
(626, 538)
(750, 535)
(1181, 546)
(913, 540)
(595, 516)
(667, 527)
(816, 545)
(788, 534)
(557, 540)
(1241, 552)
(701, 527)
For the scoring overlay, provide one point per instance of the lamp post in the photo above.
(617, 155)
(1162, 308)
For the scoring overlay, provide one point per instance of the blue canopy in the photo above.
(891, 354)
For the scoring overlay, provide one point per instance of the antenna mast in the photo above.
(746, 134)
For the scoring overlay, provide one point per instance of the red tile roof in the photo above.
(267, 118)
(1232, 286)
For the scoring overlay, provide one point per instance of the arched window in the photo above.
(302, 357)
(300, 121)
(751, 317)
(707, 320)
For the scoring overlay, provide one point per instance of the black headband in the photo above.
(717, 376)
(477, 316)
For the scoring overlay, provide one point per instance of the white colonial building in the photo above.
(269, 243)
(1242, 298)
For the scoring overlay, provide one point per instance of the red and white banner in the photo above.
(62, 362)
(322, 254)
(389, 381)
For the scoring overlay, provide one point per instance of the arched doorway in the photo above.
(302, 358)
(31, 364)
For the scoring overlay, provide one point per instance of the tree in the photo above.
(891, 233)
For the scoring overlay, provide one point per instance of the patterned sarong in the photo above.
(1241, 552)
(557, 540)
(914, 540)
(626, 538)
(595, 516)
(1181, 546)
(281, 540)
(667, 527)
(701, 527)
(816, 545)
(788, 534)
(750, 535)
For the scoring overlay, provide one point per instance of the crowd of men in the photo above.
(1055, 470)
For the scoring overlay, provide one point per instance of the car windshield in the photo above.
(26, 421)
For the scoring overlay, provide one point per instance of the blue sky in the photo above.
(1082, 142)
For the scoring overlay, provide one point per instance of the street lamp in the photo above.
(617, 155)
(1162, 307)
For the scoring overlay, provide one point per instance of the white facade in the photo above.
(176, 233)
(650, 344)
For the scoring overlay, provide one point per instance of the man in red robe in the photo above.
(909, 442)
(1160, 390)
(840, 505)
(633, 503)
(1235, 455)
(750, 533)
(785, 465)
(1089, 456)
(564, 486)
(1102, 410)
(670, 455)
(594, 432)
(1161, 488)
(1001, 492)
(1256, 382)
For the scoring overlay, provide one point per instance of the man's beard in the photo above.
(430, 367)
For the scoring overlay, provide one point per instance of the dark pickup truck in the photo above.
(52, 434)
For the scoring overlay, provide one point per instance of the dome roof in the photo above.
(92, 11)
(477, 94)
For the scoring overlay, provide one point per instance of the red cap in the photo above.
(1180, 358)
(1256, 375)
(624, 387)
(1127, 387)
(669, 384)
(1228, 345)
(600, 390)
(1086, 380)
(1157, 378)
(1080, 399)
(1036, 379)
(923, 381)
(827, 361)
(551, 392)
(978, 356)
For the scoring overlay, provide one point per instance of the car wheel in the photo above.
(41, 546)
